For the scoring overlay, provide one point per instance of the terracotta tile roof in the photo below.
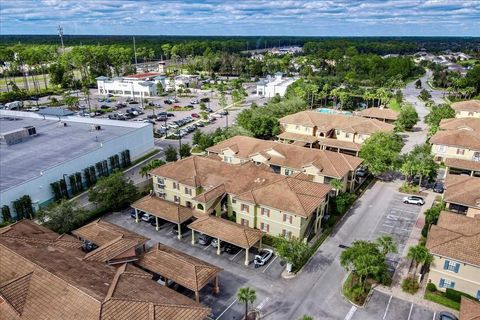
(457, 237)
(469, 105)
(188, 271)
(464, 190)
(102, 232)
(457, 138)
(332, 164)
(329, 142)
(42, 281)
(296, 196)
(297, 137)
(469, 309)
(163, 209)
(326, 122)
(211, 194)
(379, 113)
(227, 231)
(472, 124)
(462, 164)
(113, 251)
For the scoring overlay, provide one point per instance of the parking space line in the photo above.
(434, 314)
(386, 309)
(350, 313)
(262, 304)
(207, 247)
(231, 304)
(232, 258)
(410, 313)
(269, 264)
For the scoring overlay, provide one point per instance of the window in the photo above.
(287, 217)
(188, 204)
(461, 151)
(265, 212)
(297, 127)
(287, 234)
(442, 149)
(478, 294)
(360, 136)
(306, 129)
(245, 208)
(451, 266)
(188, 191)
(234, 201)
(174, 184)
(445, 283)
(176, 199)
(160, 180)
(200, 206)
(265, 227)
(244, 222)
(470, 114)
(288, 172)
(227, 159)
(337, 132)
(347, 135)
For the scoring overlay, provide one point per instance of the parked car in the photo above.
(215, 243)
(194, 101)
(133, 102)
(444, 315)
(162, 118)
(205, 100)
(209, 110)
(223, 112)
(88, 246)
(438, 187)
(167, 101)
(419, 201)
(231, 249)
(170, 115)
(132, 214)
(183, 228)
(204, 239)
(104, 106)
(362, 172)
(120, 105)
(262, 257)
(146, 217)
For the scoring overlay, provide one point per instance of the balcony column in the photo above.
(246, 257)
(218, 247)
(193, 237)
(137, 220)
(179, 232)
(157, 227)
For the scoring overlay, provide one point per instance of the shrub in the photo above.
(408, 188)
(410, 285)
(456, 295)
(343, 201)
(431, 287)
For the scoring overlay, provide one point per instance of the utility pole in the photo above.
(135, 50)
(60, 34)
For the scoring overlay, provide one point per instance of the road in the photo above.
(410, 93)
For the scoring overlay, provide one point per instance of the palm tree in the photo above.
(246, 295)
(336, 184)
(386, 244)
(419, 254)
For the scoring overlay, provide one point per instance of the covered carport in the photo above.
(183, 269)
(228, 231)
(160, 208)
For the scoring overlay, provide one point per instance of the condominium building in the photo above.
(455, 245)
(251, 195)
(335, 132)
(462, 194)
(467, 109)
(287, 159)
(381, 114)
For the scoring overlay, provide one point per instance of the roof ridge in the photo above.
(459, 235)
(113, 285)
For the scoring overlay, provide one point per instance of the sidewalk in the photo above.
(402, 270)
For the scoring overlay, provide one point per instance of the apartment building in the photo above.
(462, 194)
(459, 144)
(455, 245)
(253, 195)
(287, 159)
(334, 132)
(467, 109)
(381, 114)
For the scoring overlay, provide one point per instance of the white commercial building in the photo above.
(36, 151)
(135, 86)
(272, 86)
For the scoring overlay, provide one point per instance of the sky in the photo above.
(243, 17)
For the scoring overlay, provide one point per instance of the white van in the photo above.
(15, 105)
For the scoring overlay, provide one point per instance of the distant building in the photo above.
(272, 86)
(151, 66)
(382, 114)
(137, 85)
(36, 151)
(467, 109)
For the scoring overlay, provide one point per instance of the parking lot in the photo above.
(385, 307)
(397, 222)
(234, 275)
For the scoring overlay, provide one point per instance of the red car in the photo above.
(195, 115)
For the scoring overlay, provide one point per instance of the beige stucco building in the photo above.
(462, 194)
(335, 132)
(252, 195)
(287, 159)
(467, 109)
(459, 144)
(455, 245)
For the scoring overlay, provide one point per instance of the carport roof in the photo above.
(469, 309)
(462, 163)
(227, 231)
(163, 209)
(188, 271)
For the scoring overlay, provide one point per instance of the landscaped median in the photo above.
(450, 298)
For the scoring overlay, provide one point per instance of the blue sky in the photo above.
(243, 17)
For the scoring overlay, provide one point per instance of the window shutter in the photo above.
(268, 228)
(261, 212)
(284, 217)
(445, 265)
(268, 213)
(262, 226)
(442, 281)
(478, 294)
(452, 284)
(291, 219)
(457, 267)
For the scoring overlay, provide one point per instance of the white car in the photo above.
(262, 257)
(414, 200)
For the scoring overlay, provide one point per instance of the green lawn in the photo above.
(394, 105)
(439, 297)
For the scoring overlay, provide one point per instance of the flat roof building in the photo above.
(136, 85)
(36, 151)
(272, 86)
